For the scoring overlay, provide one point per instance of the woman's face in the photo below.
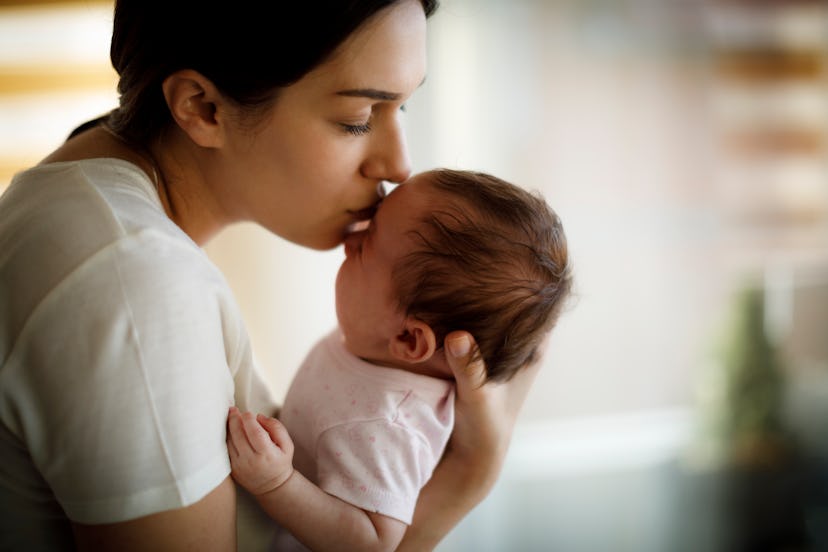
(312, 168)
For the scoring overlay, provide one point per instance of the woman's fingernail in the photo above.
(459, 346)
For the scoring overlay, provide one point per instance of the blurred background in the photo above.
(683, 403)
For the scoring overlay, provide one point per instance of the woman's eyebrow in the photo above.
(371, 93)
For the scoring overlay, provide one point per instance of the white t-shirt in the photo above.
(121, 349)
(368, 434)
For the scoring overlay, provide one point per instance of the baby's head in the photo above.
(454, 250)
(491, 259)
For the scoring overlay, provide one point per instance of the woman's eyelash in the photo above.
(357, 130)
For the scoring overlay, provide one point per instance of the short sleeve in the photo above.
(119, 382)
(379, 466)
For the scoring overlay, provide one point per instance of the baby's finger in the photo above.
(236, 438)
(256, 435)
(231, 448)
(277, 431)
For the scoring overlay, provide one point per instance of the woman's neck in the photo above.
(185, 186)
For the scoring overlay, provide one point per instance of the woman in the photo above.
(122, 346)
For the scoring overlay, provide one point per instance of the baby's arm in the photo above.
(261, 458)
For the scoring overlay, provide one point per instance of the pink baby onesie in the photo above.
(368, 434)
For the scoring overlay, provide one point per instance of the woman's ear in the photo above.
(196, 106)
(415, 343)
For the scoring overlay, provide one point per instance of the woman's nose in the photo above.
(388, 159)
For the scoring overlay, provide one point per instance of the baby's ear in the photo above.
(415, 343)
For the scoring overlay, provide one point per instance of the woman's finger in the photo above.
(469, 375)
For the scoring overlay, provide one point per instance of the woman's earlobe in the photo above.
(194, 104)
(415, 343)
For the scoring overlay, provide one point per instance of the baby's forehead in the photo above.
(415, 193)
(422, 178)
(427, 184)
(407, 205)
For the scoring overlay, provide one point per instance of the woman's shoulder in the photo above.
(72, 210)
(91, 228)
(95, 174)
(63, 186)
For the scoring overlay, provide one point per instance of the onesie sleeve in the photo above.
(121, 382)
(378, 466)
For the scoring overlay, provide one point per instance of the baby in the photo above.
(369, 412)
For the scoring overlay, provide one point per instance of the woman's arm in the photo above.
(484, 419)
(209, 524)
(261, 457)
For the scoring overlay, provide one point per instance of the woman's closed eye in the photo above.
(357, 130)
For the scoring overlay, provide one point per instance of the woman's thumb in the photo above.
(468, 373)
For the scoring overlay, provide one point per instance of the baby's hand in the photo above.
(261, 451)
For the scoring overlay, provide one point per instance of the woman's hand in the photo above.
(485, 415)
(261, 451)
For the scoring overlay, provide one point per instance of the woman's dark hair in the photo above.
(491, 259)
(247, 48)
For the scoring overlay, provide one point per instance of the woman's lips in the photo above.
(365, 214)
(362, 218)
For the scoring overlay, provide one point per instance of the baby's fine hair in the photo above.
(490, 259)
